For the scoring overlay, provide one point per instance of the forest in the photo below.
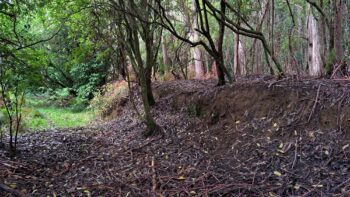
(174, 98)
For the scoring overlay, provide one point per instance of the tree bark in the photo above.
(338, 31)
(314, 50)
(166, 59)
(239, 63)
(236, 65)
(197, 53)
(219, 63)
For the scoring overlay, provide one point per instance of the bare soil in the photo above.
(257, 137)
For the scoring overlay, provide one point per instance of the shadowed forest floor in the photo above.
(258, 137)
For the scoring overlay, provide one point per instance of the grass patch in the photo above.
(51, 117)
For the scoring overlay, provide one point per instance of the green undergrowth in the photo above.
(61, 110)
(42, 113)
(53, 117)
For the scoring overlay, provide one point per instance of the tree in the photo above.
(332, 18)
(314, 52)
(197, 53)
(24, 26)
(136, 28)
(212, 45)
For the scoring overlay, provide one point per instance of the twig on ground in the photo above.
(315, 104)
(11, 191)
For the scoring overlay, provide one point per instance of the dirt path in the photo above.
(249, 139)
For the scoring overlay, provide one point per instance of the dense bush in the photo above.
(87, 78)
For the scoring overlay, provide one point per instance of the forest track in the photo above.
(254, 138)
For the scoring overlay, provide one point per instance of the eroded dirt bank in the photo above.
(256, 138)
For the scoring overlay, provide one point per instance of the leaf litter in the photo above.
(247, 139)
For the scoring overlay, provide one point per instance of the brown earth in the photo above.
(257, 137)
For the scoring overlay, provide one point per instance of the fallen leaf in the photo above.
(277, 173)
(181, 178)
(87, 192)
(280, 146)
(13, 185)
(297, 186)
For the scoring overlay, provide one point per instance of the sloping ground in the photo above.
(254, 138)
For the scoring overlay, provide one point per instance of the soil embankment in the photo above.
(253, 138)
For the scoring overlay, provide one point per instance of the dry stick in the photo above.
(295, 153)
(316, 100)
(154, 182)
(277, 81)
(337, 67)
(341, 184)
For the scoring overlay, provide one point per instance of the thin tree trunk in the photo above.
(150, 96)
(236, 64)
(272, 27)
(323, 36)
(257, 56)
(152, 127)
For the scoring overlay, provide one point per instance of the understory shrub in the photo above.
(108, 99)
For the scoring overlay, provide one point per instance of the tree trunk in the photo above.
(236, 65)
(166, 59)
(257, 66)
(219, 63)
(272, 27)
(150, 96)
(242, 57)
(314, 50)
(197, 53)
(338, 31)
(257, 48)
(323, 36)
(152, 127)
(239, 63)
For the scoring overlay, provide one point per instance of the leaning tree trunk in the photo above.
(314, 48)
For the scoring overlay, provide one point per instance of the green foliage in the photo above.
(329, 61)
(105, 102)
(79, 104)
(61, 94)
(87, 78)
(34, 119)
